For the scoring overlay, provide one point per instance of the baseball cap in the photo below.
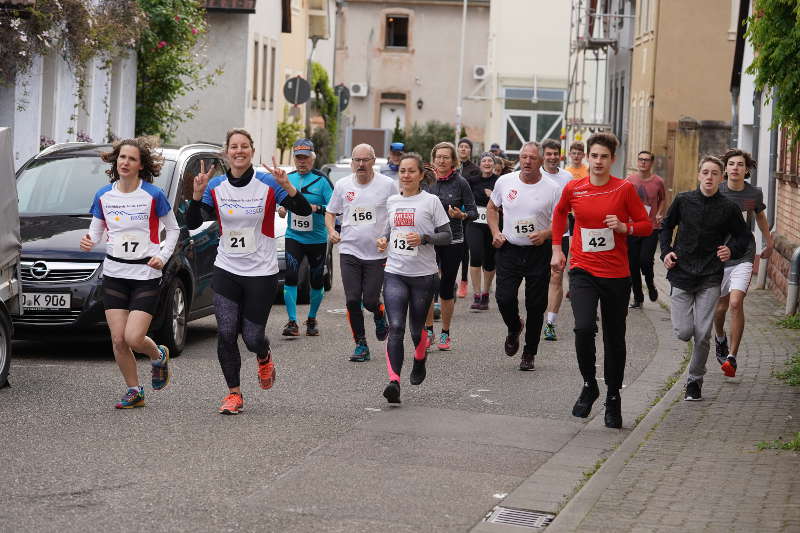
(303, 147)
(495, 145)
(397, 147)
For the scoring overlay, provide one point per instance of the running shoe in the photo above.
(428, 338)
(511, 345)
(476, 302)
(462, 289)
(361, 353)
(485, 301)
(550, 332)
(233, 404)
(613, 417)
(381, 327)
(652, 292)
(266, 372)
(636, 304)
(693, 392)
(589, 393)
(722, 350)
(527, 360)
(444, 341)
(437, 311)
(160, 369)
(418, 372)
(392, 392)
(133, 398)
(311, 327)
(291, 329)
(729, 367)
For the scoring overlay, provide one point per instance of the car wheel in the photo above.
(5, 349)
(173, 331)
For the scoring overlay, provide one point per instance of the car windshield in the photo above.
(338, 173)
(66, 186)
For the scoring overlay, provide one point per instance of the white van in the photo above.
(10, 247)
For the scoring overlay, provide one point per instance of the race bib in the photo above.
(361, 216)
(131, 245)
(300, 223)
(399, 243)
(481, 215)
(239, 241)
(523, 227)
(597, 240)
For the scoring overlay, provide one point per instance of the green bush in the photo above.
(422, 139)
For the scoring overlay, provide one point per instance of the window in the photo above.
(396, 31)
(264, 79)
(531, 116)
(272, 78)
(254, 90)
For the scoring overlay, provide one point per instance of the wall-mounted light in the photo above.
(420, 103)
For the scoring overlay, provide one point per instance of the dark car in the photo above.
(61, 284)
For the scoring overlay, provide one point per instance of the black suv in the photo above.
(62, 285)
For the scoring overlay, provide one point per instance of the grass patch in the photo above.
(792, 374)
(790, 322)
(780, 444)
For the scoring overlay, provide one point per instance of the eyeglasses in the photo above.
(442, 158)
(359, 160)
(645, 159)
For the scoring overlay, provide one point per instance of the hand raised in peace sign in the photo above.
(201, 180)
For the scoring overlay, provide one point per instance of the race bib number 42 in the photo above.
(523, 227)
(481, 215)
(399, 244)
(597, 240)
(362, 216)
(239, 242)
(131, 245)
(300, 223)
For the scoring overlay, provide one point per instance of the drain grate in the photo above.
(519, 517)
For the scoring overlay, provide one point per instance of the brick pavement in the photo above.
(699, 469)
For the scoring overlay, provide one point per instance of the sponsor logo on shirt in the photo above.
(512, 194)
(250, 206)
(117, 212)
(404, 217)
(350, 196)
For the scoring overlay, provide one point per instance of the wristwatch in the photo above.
(424, 239)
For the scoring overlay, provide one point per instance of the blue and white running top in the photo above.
(246, 217)
(133, 222)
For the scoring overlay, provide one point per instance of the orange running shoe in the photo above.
(266, 372)
(233, 404)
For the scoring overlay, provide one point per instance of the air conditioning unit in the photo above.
(479, 72)
(359, 89)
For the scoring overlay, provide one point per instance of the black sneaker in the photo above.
(693, 393)
(311, 327)
(291, 329)
(589, 393)
(636, 304)
(527, 360)
(418, 372)
(613, 412)
(722, 350)
(392, 392)
(652, 292)
(511, 345)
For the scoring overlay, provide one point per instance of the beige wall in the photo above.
(293, 62)
(426, 71)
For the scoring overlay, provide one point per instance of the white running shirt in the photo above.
(421, 213)
(526, 208)
(561, 177)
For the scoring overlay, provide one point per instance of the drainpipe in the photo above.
(735, 116)
(792, 287)
(756, 134)
(761, 281)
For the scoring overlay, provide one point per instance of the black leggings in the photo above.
(465, 256)
(295, 252)
(640, 256)
(613, 293)
(362, 281)
(403, 294)
(241, 305)
(449, 259)
(481, 251)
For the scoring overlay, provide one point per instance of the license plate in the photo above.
(46, 300)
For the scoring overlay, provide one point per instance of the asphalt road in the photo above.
(321, 451)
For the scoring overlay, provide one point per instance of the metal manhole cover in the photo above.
(519, 517)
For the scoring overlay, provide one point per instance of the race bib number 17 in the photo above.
(131, 245)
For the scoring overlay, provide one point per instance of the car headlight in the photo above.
(280, 243)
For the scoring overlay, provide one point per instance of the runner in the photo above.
(599, 269)
(245, 277)
(393, 164)
(576, 166)
(306, 236)
(479, 236)
(528, 200)
(555, 292)
(736, 278)
(417, 222)
(468, 170)
(641, 250)
(454, 193)
(361, 200)
(131, 209)
(711, 230)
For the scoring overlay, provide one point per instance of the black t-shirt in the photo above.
(751, 201)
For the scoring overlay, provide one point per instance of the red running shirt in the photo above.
(591, 204)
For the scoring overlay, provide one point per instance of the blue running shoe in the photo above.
(550, 332)
(381, 327)
(133, 398)
(160, 376)
(361, 353)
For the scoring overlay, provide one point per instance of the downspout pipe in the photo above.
(793, 286)
(761, 281)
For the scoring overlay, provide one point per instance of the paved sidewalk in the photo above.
(698, 468)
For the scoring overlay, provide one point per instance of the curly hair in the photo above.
(150, 159)
(749, 162)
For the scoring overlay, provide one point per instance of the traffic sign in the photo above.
(344, 96)
(297, 90)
